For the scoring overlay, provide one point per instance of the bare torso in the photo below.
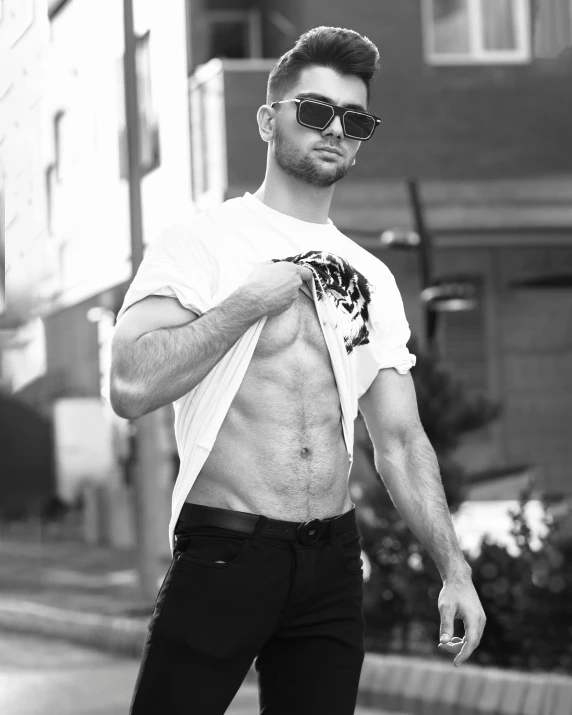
(280, 451)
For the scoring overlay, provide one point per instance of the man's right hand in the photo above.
(276, 285)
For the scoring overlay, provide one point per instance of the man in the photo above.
(267, 327)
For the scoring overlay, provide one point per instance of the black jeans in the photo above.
(230, 597)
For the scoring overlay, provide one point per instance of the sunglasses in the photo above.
(316, 114)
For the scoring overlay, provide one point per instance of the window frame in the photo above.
(249, 18)
(16, 26)
(542, 22)
(478, 55)
(54, 6)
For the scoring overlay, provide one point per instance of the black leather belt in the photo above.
(306, 532)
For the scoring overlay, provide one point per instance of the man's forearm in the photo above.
(165, 364)
(411, 474)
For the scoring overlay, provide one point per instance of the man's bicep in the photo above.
(389, 408)
(151, 313)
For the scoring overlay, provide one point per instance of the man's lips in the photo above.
(329, 150)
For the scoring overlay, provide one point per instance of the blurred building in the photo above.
(63, 159)
(474, 105)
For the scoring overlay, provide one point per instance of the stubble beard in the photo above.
(305, 168)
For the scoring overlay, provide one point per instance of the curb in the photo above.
(122, 636)
(113, 634)
(428, 687)
(397, 683)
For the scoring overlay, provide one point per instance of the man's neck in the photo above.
(294, 198)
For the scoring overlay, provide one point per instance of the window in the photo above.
(54, 6)
(476, 31)
(149, 148)
(208, 138)
(50, 190)
(149, 144)
(61, 145)
(234, 34)
(18, 16)
(552, 27)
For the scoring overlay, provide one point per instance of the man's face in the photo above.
(318, 158)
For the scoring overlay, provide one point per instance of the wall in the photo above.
(24, 36)
(453, 121)
(522, 348)
(517, 348)
(244, 92)
(437, 122)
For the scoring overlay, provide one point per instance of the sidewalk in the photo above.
(55, 586)
(62, 588)
(69, 574)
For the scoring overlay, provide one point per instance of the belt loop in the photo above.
(334, 529)
(331, 532)
(258, 529)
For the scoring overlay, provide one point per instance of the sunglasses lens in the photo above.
(315, 115)
(358, 126)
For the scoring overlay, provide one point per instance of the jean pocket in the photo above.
(349, 549)
(210, 549)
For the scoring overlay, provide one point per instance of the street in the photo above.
(43, 677)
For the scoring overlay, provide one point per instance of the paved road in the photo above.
(47, 677)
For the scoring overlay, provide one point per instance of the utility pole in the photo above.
(451, 294)
(425, 262)
(148, 453)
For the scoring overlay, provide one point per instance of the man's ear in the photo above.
(265, 118)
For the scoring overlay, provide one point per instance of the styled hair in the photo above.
(345, 51)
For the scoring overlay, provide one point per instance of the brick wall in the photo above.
(536, 343)
(454, 121)
(438, 122)
(516, 348)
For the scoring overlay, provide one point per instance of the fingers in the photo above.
(461, 648)
(306, 273)
(453, 648)
(473, 633)
(447, 620)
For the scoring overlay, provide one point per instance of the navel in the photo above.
(304, 452)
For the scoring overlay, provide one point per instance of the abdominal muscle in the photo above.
(280, 451)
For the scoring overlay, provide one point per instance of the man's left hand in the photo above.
(458, 599)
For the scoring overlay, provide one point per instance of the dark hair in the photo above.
(345, 51)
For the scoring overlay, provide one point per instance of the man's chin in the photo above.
(314, 173)
(327, 181)
(323, 177)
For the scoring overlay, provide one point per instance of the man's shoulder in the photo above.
(197, 230)
(192, 220)
(221, 212)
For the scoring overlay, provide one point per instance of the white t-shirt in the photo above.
(204, 259)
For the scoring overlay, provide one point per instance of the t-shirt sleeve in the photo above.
(389, 329)
(178, 265)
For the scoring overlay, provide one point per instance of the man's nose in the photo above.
(335, 129)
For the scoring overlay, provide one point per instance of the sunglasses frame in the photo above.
(337, 111)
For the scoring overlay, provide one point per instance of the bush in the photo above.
(527, 596)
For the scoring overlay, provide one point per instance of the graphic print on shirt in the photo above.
(338, 279)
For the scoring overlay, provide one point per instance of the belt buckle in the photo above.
(309, 532)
